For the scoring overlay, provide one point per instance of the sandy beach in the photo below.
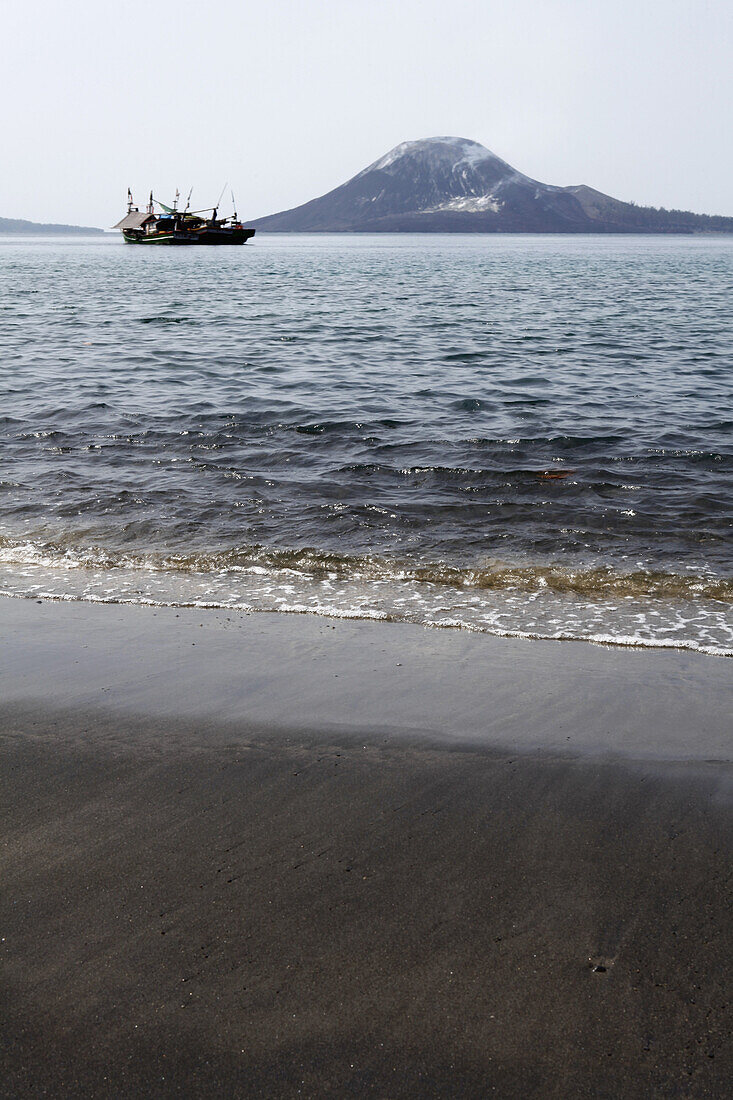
(273, 855)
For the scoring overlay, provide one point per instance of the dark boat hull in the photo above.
(205, 236)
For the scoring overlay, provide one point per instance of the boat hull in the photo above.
(205, 236)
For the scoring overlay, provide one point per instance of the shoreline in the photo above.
(281, 856)
(642, 609)
(605, 640)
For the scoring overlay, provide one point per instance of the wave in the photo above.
(600, 604)
(599, 580)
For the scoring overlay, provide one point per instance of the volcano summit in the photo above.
(454, 185)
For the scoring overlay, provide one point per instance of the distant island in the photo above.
(453, 185)
(17, 225)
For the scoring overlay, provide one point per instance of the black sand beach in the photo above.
(279, 856)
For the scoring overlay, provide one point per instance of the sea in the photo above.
(518, 435)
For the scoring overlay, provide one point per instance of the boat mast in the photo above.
(218, 204)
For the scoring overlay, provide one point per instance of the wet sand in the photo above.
(226, 872)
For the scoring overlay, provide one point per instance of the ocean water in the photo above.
(518, 435)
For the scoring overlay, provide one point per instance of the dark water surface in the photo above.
(517, 435)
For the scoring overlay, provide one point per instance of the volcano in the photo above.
(454, 185)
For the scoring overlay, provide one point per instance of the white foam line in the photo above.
(620, 641)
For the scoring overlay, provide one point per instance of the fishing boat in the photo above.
(160, 224)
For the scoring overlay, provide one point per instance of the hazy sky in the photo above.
(286, 100)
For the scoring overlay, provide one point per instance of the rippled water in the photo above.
(517, 435)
